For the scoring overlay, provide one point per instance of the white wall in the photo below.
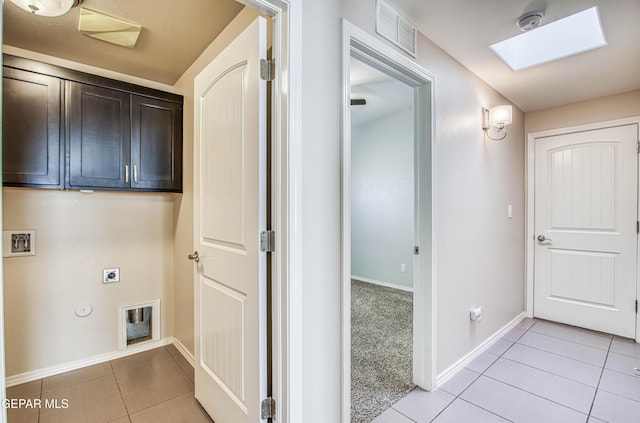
(480, 252)
(78, 235)
(382, 199)
(320, 215)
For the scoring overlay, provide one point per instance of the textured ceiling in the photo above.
(466, 28)
(174, 34)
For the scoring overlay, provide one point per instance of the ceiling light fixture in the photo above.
(498, 117)
(565, 37)
(48, 8)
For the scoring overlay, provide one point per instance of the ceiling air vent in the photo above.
(395, 28)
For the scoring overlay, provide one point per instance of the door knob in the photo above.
(195, 256)
(542, 238)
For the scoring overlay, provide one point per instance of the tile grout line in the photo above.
(161, 402)
(539, 349)
(580, 344)
(41, 394)
(536, 395)
(488, 411)
(600, 379)
(397, 411)
(576, 342)
(551, 373)
(478, 377)
(120, 390)
(560, 355)
(180, 367)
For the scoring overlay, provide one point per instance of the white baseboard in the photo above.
(96, 359)
(382, 283)
(443, 377)
(185, 352)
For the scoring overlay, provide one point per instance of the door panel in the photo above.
(586, 211)
(229, 214)
(223, 191)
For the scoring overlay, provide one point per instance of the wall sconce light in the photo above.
(48, 8)
(498, 117)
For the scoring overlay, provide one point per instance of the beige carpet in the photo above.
(381, 348)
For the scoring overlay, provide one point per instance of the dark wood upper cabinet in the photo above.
(31, 130)
(68, 129)
(156, 144)
(99, 137)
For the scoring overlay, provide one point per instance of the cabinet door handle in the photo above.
(135, 173)
(126, 174)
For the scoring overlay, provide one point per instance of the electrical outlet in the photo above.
(111, 275)
(475, 314)
(19, 243)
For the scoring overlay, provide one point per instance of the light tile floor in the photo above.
(540, 372)
(153, 386)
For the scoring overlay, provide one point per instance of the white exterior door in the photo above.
(586, 186)
(229, 214)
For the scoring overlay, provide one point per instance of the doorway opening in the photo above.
(382, 240)
(387, 232)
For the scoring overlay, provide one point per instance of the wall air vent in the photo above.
(396, 28)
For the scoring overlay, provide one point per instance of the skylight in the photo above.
(566, 37)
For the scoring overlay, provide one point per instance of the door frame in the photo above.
(530, 203)
(373, 51)
(3, 379)
(286, 205)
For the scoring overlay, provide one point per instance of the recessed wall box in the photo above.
(19, 243)
(111, 275)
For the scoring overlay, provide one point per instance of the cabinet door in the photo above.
(156, 144)
(99, 137)
(31, 130)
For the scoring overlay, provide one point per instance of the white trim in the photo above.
(287, 366)
(185, 352)
(79, 364)
(530, 206)
(473, 354)
(372, 50)
(292, 258)
(286, 208)
(382, 283)
(3, 374)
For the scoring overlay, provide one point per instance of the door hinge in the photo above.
(267, 241)
(637, 226)
(636, 306)
(416, 250)
(268, 409)
(267, 70)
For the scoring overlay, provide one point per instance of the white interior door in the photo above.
(586, 186)
(229, 214)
